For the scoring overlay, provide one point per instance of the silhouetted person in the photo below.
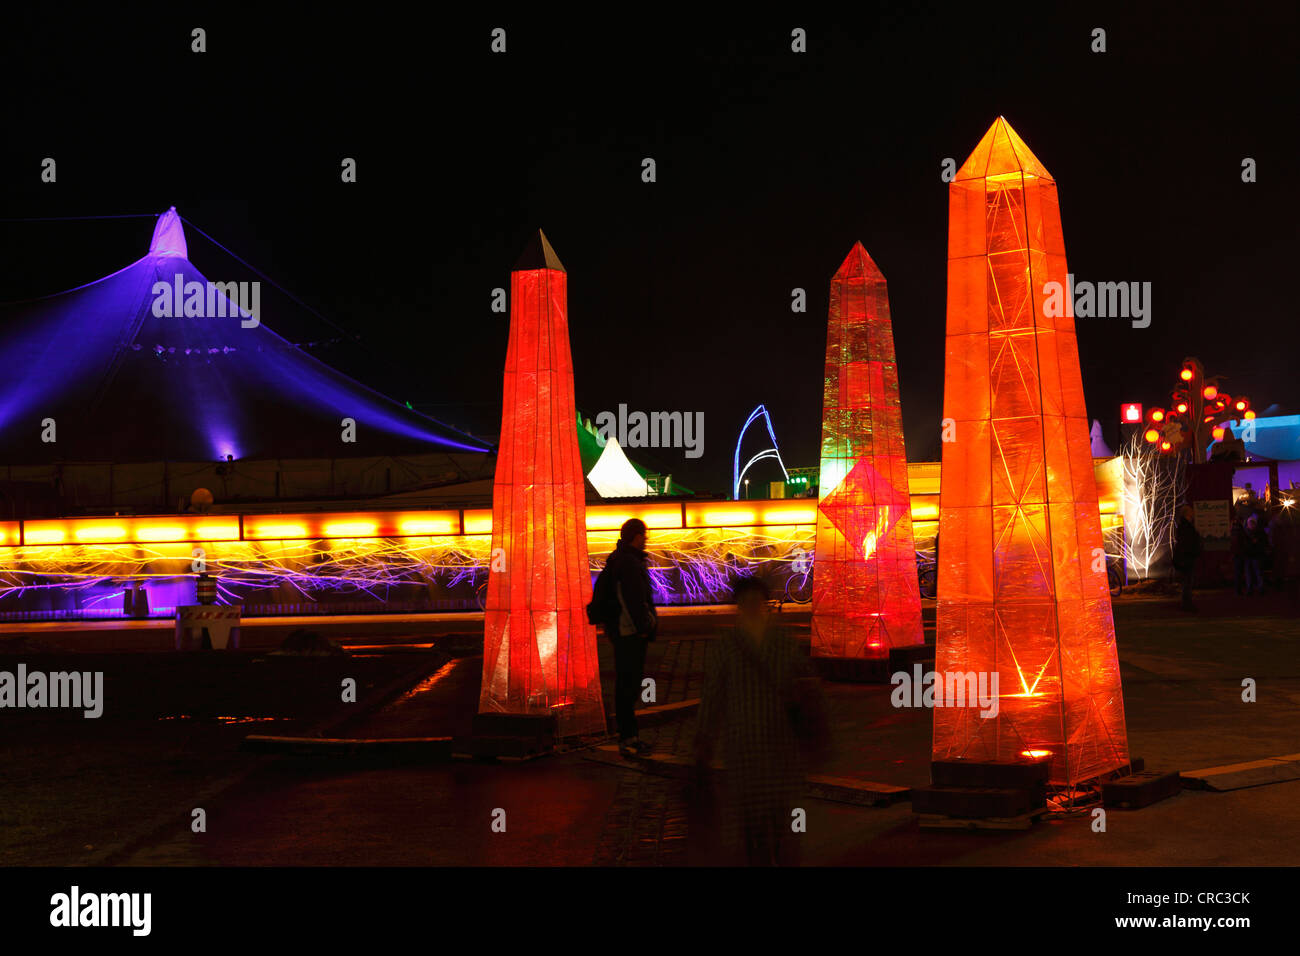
(630, 629)
(1228, 448)
(1187, 548)
(762, 709)
(1283, 542)
(1247, 504)
(1255, 547)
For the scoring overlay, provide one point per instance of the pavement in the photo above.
(266, 633)
(1183, 681)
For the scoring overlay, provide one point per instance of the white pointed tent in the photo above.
(613, 475)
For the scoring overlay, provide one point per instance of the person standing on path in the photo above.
(630, 627)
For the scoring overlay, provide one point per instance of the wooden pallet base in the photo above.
(1139, 790)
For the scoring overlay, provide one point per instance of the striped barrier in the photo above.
(207, 625)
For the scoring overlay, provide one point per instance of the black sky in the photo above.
(770, 166)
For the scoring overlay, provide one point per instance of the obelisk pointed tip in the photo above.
(538, 254)
(858, 263)
(1000, 152)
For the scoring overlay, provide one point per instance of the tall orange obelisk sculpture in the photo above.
(865, 594)
(539, 652)
(1022, 574)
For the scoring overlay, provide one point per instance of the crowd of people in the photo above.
(1263, 546)
(1251, 548)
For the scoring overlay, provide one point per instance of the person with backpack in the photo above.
(624, 605)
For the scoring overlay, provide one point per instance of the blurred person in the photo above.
(763, 710)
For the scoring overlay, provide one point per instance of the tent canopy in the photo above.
(123, 383)
(614, 477)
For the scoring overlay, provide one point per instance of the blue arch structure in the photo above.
(738, 473)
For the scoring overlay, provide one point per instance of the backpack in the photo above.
(604, 601)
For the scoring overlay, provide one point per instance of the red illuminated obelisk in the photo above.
(865, 594)
(1022, 574)
(539, 652)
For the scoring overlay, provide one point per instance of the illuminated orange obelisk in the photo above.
(1022, 575)
(539, 652)
(865, 594)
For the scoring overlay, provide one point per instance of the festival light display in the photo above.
(1199, 412)
(689, 565)
(408, 560)
(866, 598)
(1022, 576)
(1153, 487)
(738, 473)
(539, 652)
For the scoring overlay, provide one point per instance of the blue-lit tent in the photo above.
(1274, 437)
(123, 384)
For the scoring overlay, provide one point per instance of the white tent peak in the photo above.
(169, 236)
(613, 475)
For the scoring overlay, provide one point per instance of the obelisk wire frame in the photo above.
(1023, 593)
(866, 597)
(539, 651)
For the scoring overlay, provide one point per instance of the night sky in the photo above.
(770, 165)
